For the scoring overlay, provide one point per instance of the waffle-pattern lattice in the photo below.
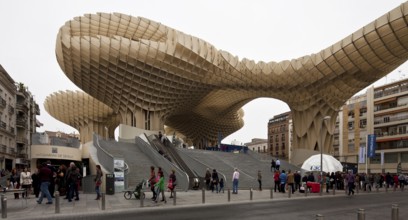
(133, 63)
(82, 112)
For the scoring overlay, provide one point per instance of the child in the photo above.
(221, 185)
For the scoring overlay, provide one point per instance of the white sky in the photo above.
(267, 30)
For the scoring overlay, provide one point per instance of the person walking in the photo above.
(98, 181)
(260, 180)
(215, 181)
(350, 182)
(290, 178)
(25, 182)
(273, 165)
(235, 180)
(276, 180)
(152, 181)
(172, 182)
(221, 185)
(160, 187)
(278, 164)
(282, 178)
(45, 177)
(207, 178)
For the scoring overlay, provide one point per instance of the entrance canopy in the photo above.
(330, 164)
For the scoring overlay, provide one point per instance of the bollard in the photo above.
(361, 214)
(386, 189)
(57, 202)
(3, 206)
(395, 187)
(306, 189)
(289, 192)
(319, 217)
(203, 192)
(357, 188)
(229, 195)
(394, 212)
(142, 199)
(334, 190)
(174, 197)
(250, 194)
(103, 201)
(271, 193)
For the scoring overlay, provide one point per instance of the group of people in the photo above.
(157, 183)
(289, 179)
(212, 181)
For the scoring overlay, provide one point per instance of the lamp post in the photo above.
(321, 153)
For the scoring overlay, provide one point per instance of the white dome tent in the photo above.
(330, 164)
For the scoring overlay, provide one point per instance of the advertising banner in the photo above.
(361, 155)
(371, 145)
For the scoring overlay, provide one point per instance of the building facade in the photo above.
(18, 111)
(8, 91)
(278, 135)
(258, 145)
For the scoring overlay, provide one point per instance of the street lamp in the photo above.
(326, 118)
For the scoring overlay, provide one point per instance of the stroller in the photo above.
(137, 192)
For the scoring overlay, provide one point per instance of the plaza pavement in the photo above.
(18, 209)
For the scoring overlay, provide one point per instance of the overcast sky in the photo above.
(260, 30)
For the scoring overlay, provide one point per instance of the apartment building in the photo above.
(278, 135)
(18, 122)
(7, 120)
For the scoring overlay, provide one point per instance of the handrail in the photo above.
(103, 156)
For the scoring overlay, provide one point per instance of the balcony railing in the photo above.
(21, 122)
(11, 109)
(21, 106)
(390, 119)
(381, 108)
(385, 134)
(3, 148)
(3, 103)
(21, 140)
(3, 125)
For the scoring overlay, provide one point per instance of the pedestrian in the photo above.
(260, 180)
(350, 182)
(235, 180)
(152, 181)
(282, 178)
(277, 180)
(160, 187)
(278, 164)
(215, 181)
(45, 177)
(25, 182)
(207, 178)
(60, 180)
(221, 185)
(71, 180)
(290, 178)
(297, 180)
(98, 181)
(36, 183)
(54, 175)
(327, 182)
(273, 165)
(172, 182)
(15, 181)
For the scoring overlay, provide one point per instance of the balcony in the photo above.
(10, 110)
(21, 140)
(388, 119)
(3, 148)
(3, 125)
(22, 107)
(3, 103)
(12, 129)
(22, 123)
(382, 135)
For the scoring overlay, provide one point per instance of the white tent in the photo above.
(330, 164)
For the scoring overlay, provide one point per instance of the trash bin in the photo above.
(110, 184)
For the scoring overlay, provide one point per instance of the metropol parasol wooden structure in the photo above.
(150, 76)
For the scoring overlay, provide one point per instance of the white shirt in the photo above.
(235, 175)
(277, 162)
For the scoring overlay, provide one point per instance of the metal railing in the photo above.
(105, 159)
